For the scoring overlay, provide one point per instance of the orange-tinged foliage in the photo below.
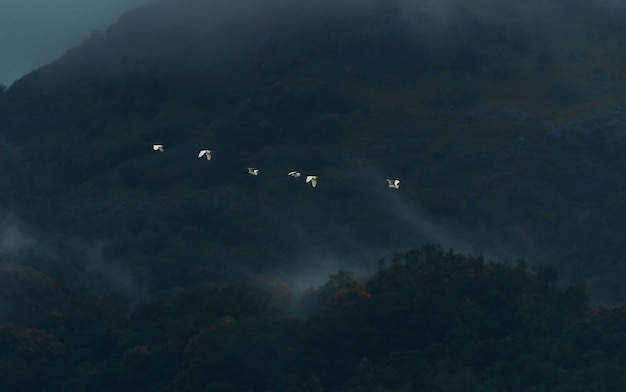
(349, 295)
(28, 342)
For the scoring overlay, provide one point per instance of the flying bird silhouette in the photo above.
(393, 183)
(312, 180)
(206, 153)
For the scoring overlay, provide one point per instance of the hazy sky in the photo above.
(36, 32)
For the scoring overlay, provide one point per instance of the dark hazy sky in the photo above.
(36, 32)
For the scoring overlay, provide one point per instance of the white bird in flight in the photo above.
(158, 147)
(312, 180)
(393, 183)
(206, 153)
(294, 174)
(253, 171)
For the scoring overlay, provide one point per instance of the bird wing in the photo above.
(206, 153)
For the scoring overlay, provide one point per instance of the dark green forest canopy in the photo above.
(481, 118)
(161, 271)
(431, 320)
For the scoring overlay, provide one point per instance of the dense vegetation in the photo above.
(128, 269)
(429, 321)
(480, 117)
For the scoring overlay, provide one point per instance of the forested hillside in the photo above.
(128, 268)
(433, 320)
(505, 133)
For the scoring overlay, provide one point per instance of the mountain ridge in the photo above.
(467, 114)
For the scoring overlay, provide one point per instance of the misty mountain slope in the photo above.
(432, 318)
(498, 127)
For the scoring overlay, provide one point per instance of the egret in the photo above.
(206, 153)
(253, 171)
(158, 147)
(312, 180)
(393, 183)
(294, 174)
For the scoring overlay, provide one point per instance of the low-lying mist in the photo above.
(376, 224)
(248, 68)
